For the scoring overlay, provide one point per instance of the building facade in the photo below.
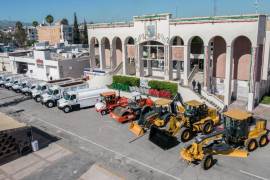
(57, 33)
(229, 55)
(47, 65)
(32, 34)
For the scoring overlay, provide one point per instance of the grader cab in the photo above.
(241, 135)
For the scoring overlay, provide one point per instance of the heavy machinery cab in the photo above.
(236, 125)
(108, 98)
(195, 110)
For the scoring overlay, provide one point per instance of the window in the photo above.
(73, 97)
(157, 64)
(56, 92)
(178, 64)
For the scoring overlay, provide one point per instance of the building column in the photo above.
(228, 76)
(186, 64)
(102, 57)
(92, 56)
(167, 62)
(170, 63)
(124, 58)
(207, 68)
(139, 63)
(252, 79)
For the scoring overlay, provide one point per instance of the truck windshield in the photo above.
(23, 85)
(66, 96)
(33, 87)
(50, 92)
(15, 82)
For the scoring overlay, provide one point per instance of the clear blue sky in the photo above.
(113, 10)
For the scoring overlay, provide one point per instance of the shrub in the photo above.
(163, 85)
(126, 80)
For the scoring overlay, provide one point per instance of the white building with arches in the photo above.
(229, 55)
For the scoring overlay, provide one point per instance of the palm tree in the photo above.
(64, 21)
(35, 23)
(49, 19)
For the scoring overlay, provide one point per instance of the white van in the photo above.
(79, 99)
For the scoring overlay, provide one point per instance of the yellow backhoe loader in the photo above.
(196, 117)
(158, 115)
(241, 135)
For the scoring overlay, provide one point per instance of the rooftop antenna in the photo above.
(256, 4)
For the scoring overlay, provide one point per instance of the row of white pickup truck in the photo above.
(67, 94)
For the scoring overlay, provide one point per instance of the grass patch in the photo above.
(266, 100)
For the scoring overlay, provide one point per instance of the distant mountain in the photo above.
(6, 23)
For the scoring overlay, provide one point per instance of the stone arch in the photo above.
(241, 58)
(196, 52)
(218, 47)
(106, 51)
(130, 55)
(176, 41)
(117, 51)
(94, 52)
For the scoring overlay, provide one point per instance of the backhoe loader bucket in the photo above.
(162, 138)
(136, 129)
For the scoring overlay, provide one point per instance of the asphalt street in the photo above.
(101, 140)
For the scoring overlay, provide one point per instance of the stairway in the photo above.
(117, 70)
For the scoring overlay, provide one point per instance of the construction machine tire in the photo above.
(207, 127)
(251, 145)
(207, 162)
(185, 134)
(263, 141)
(103, 112)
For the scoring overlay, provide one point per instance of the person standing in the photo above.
(199, 87)
(193, 84)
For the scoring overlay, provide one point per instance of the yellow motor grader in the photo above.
(193, 117)
(241, 135)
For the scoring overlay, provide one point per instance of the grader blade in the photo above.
(162, 138)
(236, 153)
(136, 129)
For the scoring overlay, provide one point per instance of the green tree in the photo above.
(84, 36)
(49, 19)
(76, 32)
(64, 21)
(35, 23)
(20, 34)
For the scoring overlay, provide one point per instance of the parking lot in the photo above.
(94, 139)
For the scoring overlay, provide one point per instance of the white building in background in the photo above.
(47, 64)
(229, 55)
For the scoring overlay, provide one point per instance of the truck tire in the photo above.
(207, 162)
(66, 109)
(50, 104)
(263, 141)
(251, 145)
(185, 134)
(37, 99)
(207, 127)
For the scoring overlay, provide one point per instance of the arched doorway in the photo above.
(106, 51)
(94, 53)
(218, 57)
(131, 55)
(117, 52)
(197, 53)
(241, 67)
(177, 57)
(152, 57)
